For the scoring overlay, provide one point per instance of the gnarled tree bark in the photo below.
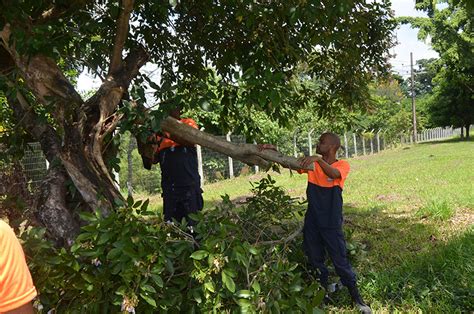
(75, 146)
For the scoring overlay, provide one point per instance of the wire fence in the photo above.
(213, 166)
(35, 165)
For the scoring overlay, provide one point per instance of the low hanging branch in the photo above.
(247, 153)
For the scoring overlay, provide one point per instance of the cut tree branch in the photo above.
(247, 153)
(121, 35)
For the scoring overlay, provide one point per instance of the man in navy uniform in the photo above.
(180, 179)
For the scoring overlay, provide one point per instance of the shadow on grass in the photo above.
(450, 140)
(405, 266)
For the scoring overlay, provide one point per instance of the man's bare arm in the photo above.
(24, 309)
(330, 171)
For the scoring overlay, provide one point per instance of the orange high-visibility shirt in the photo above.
(16, 285)
(319, 178)
(167, 142)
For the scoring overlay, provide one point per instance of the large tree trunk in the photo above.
(467, 131)
(75, 146)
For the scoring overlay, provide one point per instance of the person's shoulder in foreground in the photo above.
(16, 286)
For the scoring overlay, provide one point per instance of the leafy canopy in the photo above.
(260, 50)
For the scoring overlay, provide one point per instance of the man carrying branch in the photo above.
(322, 231)
(180, 179)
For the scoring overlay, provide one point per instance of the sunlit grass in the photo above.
(412, 208)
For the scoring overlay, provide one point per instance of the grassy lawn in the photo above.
(410, 212)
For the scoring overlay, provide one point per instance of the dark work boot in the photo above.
(357, 299)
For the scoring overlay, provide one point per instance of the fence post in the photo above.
(355, 143)
(378, 141)
(346, 149)
(256, 169)
(200, 167)
(371, 142)
(384, 143)
(231, 162)
(363, 143)
(310, 142)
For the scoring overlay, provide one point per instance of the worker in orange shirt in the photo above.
(322, 231)
(16, 286)
(180, 179)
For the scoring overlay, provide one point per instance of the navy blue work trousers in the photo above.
(317, 241)
(179, 202)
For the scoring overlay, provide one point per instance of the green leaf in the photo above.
(148, 288)
(296, 287)
(154, 85)
(244, 303)
(130, 201)
(96, 38)
(114, 253)
(157, 279)
(148, 299)
(145, 205)
(87, 277)
(210, 286)
(137, 204)
(256, 287)
(244, 294)
(87, 216)
(121, 290)
(197, 296)
(253, 250)
(104, 237)
(318, 298)
(199, 255)
(228, 282)
(75, 247)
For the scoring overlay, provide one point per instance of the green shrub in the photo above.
(244, 259)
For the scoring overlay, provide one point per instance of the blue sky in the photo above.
(406, 37)
(408, 40)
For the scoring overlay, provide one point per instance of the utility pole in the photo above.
(413, 106)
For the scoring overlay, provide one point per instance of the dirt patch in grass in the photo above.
(389, 197)
(464, 217)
